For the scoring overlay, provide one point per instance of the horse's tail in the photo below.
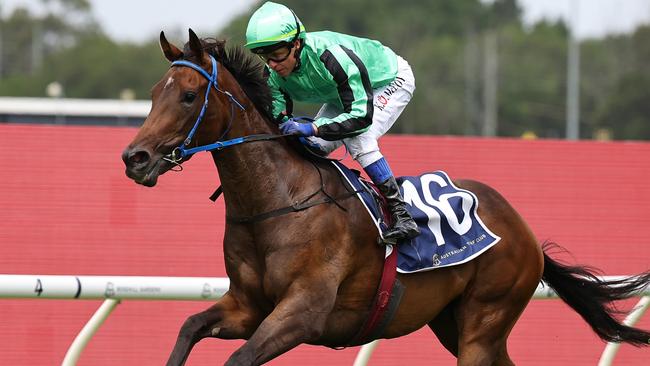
(592, 298)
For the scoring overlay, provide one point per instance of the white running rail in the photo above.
(113, 289)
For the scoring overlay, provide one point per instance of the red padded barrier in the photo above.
(68, 208)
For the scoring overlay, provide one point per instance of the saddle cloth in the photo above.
(451, 230)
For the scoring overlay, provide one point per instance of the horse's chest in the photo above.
(253, 282)
(250, 291)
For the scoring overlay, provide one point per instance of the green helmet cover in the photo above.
(271, 24)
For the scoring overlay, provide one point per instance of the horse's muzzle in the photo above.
(140, 167)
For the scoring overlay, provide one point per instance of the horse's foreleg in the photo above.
(224, 319)
(298, 318)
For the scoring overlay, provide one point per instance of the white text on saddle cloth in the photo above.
(412, 197)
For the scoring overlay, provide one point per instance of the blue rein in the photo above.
(179, 153)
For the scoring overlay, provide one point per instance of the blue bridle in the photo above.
(179, 153)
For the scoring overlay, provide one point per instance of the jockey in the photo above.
(363, 85)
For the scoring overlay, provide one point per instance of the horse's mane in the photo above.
(247, 69)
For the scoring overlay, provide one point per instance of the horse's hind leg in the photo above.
(483, 330)
(505, 279)
(487, 313)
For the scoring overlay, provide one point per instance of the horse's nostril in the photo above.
(135, 158)
(139, 157)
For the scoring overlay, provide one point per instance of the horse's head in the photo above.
(179, 104)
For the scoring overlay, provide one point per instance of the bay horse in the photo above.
(310, 275)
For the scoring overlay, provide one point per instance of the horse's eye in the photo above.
(189, 97)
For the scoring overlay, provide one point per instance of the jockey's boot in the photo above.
(403, 226)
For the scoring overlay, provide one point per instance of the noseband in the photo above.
(179, 153)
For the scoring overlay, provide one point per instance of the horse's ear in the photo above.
(172, 53)
(195, 45)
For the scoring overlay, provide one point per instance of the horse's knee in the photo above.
(191, 325)
(313, 331)
(196, 327)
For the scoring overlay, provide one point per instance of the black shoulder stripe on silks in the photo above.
(365, 79)
(341, 78)
(354, 125)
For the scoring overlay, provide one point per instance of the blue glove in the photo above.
(292, 127)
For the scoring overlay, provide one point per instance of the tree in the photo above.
(626, 110)
(443, 40)
(28, 39)
(96, 67)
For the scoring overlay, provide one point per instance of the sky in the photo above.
(592, 18)
(140, 20)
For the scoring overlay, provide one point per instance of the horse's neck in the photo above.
(259, 176)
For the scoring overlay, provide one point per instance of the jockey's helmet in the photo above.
(271, 27)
